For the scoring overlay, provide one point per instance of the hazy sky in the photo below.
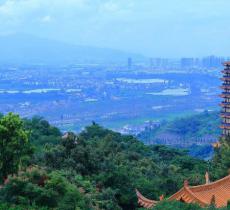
(168, 28)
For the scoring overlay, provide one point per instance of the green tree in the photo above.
(36, 187)
(41, 132)
(117, 164)
(14, 145)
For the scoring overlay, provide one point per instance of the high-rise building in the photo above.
(151, 62)
(212, 61)
(225, 113)
(187, 62)
(130, 63)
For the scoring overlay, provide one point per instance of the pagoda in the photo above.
(218, 191)
(225, 104)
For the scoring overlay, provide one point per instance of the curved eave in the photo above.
(145, 202)
(177, 195)
(196, 199)
(198, 194)
(187, 196)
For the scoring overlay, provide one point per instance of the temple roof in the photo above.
(220, 189)
(202, 194)
(145, 202)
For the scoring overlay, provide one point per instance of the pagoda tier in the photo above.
(225, 87)
(225, 95)
(225, 104)
(225, 78)
(225, 126)
(224, 112)
(225, 71)
(225, 116)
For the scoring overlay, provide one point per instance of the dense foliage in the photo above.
(14, 145)
(190, 131)
(41, 132)
(37, 187)
(96, 169)
(106, 157)
(200, 125)
(206, 123)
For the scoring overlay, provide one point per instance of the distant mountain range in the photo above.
(27, 49)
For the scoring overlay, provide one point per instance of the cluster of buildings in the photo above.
(206, 62)
(185, 63)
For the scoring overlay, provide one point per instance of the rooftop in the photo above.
(202, 194)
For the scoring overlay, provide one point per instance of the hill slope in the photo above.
(97, 169)
(195, 133)
(197, 129)
(27, 49)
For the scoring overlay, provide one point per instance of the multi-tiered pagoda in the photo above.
(225, 114)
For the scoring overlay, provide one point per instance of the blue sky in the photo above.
(166, 28)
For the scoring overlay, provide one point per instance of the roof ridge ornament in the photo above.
(207, 180)
(186, 183)
(161, 197)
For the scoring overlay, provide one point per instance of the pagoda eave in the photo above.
(224, 105)
(225, 87)
(225, 78)
(225, 95)
(225, 116)
(225, 126)
(225, 71)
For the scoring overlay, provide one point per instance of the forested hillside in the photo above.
(195, 133)
(97, 169)
(187, 130)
